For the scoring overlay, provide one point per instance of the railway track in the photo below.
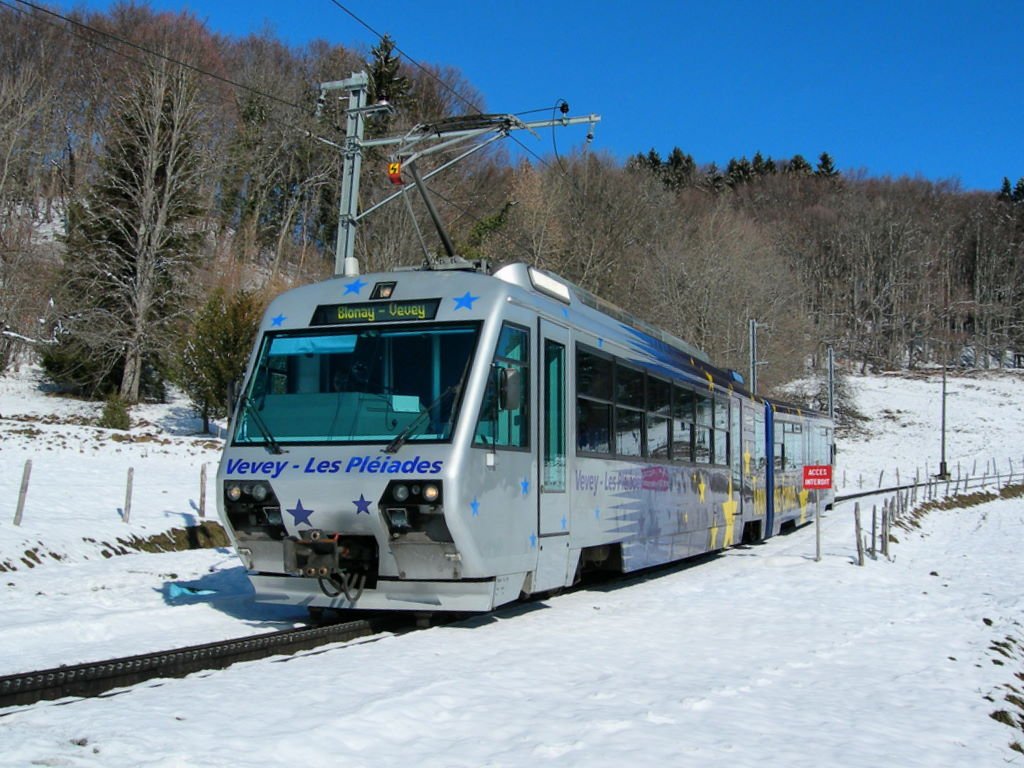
(96, 678)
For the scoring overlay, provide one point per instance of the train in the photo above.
(456, 439)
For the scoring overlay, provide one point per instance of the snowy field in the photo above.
(759, 656)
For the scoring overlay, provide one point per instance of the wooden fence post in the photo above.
(202, 491)
(860, 541)
(23, 492)
(874, 528)
(128, 496)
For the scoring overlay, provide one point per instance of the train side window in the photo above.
(629, 411)
(789, 447)
(506, 428)
(659, 417)
(594, 379)
(682, 424)
(703, 430)
(720, 439)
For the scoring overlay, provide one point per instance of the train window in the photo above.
(593, 375)
(501, 428)
(593, 426)
(792, 449)
(703, 430)
(682, 424)
(629, 387)
(659, 417)
(358, 385)
(594, 378)
(629, 428)
(720, 436)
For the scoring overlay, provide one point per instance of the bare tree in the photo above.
(130, 245)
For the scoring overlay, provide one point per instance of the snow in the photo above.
(759, 655)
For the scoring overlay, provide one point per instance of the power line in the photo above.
(437, 79)
(82, 26)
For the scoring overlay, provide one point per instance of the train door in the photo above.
(739, 484)
(553, 512)
(769, 477)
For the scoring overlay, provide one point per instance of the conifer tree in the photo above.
(1005, 191)
(826, 167)
(131, 243)
(387, 83)
(1018, 191)
(214, 353)
(798, 166)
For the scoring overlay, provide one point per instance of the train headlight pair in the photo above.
(258, 491)
(429, 492)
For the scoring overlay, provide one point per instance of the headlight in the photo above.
(400, 492)
(259, 492)
(431, 492)
(234, 492)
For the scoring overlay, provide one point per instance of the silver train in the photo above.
(450, 440)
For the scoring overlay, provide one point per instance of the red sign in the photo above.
(817, 476)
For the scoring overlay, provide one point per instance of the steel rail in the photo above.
(95, 678)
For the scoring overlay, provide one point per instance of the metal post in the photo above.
(345, 262)
(943, 471)
(753, 355)
(23, 492)
(831, 384)
(817, 528)
(128, 496)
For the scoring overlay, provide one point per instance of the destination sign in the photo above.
(375, 312)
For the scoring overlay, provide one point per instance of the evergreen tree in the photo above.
(1018, 191)
(679, 171)
(798, 166)
(762, 166)
(1005, 191)
(826, 168)
(738, 172)
(215, 352)
(713, 178)
(131, 243)
(387, 83)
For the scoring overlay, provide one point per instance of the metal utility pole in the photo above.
(411, 147)
(356, 85)
(943, 470)
(831, 384)
(754, 362)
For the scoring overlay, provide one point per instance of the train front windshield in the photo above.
(365, 385)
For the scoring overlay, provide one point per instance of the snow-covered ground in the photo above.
(759, 656)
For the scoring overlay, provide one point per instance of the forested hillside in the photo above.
(158, 182)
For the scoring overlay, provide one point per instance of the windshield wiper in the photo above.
(272, 445)
(415, 424)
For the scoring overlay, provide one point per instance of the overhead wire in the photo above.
(438, 80)
(144, 49)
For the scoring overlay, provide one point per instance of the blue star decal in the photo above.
(565, 523)
(300, 513)
(565, 312)
(533, 541)
(465, 301)
(354, 287)
(362, 505)
(475, 506)
(276, 321)
(525, 485)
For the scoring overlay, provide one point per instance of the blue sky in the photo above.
(894, 88)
